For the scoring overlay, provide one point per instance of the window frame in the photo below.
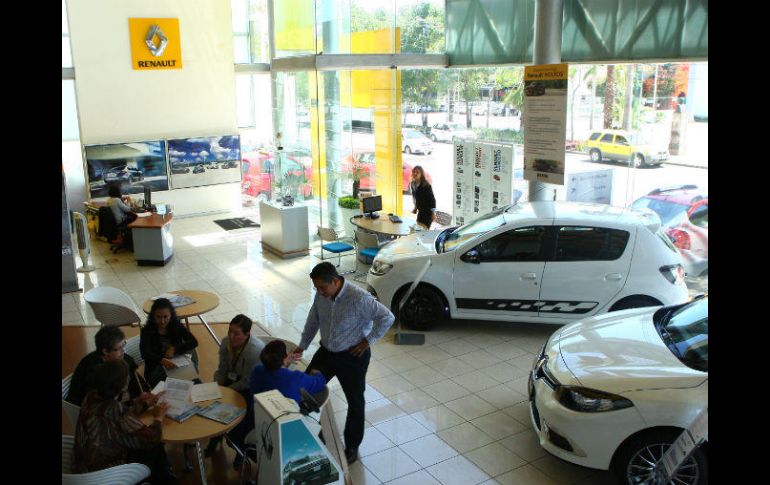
(555, 246)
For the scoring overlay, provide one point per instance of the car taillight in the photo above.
(680, 238)
(674, 273)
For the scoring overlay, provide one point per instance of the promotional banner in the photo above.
(463, 181)
(502, 175)
(545, 122)
(482, 179)
(592, 186)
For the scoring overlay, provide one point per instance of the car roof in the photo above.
(581, 213)
(613, 132)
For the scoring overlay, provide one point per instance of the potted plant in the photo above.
(349, 206)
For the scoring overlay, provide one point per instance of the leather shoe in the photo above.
(351, 455)
(211, 448)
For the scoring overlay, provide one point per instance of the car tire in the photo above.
(433, 137)
(407, 150)
(634, 302)
(596, 155)
(638, 160)
(629, 463)
(424, 307)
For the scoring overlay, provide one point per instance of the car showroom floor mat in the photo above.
(236, 223)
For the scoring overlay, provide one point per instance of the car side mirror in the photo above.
(471, 256)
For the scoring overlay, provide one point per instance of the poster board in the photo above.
(196, 162)
(132, 166)
(483, 178)
(545, 122)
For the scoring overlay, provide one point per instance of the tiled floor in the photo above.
(450, 412)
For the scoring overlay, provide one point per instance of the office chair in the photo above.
(118, 235)
(367, 247)
(70, 410)
(112, 306)
(443, 218)
(132, 349)
(128, 473)
(334, 245)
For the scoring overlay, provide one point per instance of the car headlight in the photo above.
(379, 268)
(585, 400)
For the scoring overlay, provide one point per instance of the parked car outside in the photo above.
(624, 147)
(178, 169)
(123, 173)
(369, 170)
(683, 211)
(615, 391)
(412, 141)
(446, 132)
(544, 261)
(258, 172)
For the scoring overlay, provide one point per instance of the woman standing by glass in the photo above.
(424, 201)
(162, 338)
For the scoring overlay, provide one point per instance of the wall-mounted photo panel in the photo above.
(132, 166)
(204, 161)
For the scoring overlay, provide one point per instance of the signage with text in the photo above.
(155, 43)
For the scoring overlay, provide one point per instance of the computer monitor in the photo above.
(372, 204)
(147, 197)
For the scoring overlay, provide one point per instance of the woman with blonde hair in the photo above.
(424, 200)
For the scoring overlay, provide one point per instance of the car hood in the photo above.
(414, 245)
(622, 351)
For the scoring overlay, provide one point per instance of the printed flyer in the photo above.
(545, 122)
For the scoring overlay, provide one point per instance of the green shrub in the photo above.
(349, 202)
(507, 135)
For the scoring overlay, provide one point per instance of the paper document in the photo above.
(143, 214)
(176, 300)
(159, 387)
(177, 396)
(205, 392)
(181, 360)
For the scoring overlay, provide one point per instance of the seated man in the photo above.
(110, 345)
(109, 432)
(273, 374)
(238, 354)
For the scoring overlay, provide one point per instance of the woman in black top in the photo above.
(162, 338)
(424, 201)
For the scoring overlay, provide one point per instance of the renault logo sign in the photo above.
(155, 43)
(157, 51)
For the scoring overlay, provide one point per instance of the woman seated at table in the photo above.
(117, 204)
(273, 374)
(109, 432)
(162, 338)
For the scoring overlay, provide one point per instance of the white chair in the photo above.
(132, 349)
(112, 306)
(118, 475)
(334, 245)
(367, 246)
(443, 218)
(70, 410)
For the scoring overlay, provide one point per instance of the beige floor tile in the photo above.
(458, 347)
(445, 391)
(520, 412)
(525, 475)
(501, 372)
(525, 444)
(402, 430)
(451, 367)
(382, 410)
(438, 418)
(417, 478)
(390, 464)
(465, 437)
(374, 442)
(360, 475)
(498, 425)
(480, 359)
(429, 353)
(422, 376)
(519, 384)
(560, 470)
(458, 471)
(72, 318)
(495, 459)
(491, 481)
(391, 385)
(501, 396)
(428, 450)
(475, 381)
(401, 363)
(598, 478)
(414, 400)
(470, 407)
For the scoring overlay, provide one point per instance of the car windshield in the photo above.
(685, 330)
(473, 230)
(670, 213)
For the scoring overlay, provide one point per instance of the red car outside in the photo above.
(258, 173)
(367, 161)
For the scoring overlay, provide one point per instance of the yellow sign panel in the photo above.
(544, 72)
(155, 44)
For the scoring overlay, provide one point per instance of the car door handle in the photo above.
(528, 276)
(613, 277)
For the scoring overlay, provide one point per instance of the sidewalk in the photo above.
(685, 161)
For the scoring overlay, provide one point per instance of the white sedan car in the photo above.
(446, 133)
(545, 261)
(613, 392)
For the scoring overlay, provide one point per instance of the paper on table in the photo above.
(177, 395)
(205, 392)
(181, 360)
(159, 387)
(143, 214)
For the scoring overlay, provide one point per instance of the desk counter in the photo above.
(382, 225)
(153, 241)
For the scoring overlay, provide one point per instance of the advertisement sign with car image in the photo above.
(463, 181)
(132, 166)
(502, 175)
(482, 178)
(303, 458)
(545, 119)
(204, 161)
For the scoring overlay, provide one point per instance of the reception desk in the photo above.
(153, 241)
(284, 230)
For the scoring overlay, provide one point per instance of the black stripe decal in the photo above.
(534, 306)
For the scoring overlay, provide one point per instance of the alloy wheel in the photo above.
(642, 465)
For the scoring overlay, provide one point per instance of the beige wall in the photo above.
(118, 104)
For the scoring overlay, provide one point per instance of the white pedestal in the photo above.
(284, 230)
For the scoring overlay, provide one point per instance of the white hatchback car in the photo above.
(614, 391)
(545, 261)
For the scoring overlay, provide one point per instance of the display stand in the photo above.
(400, 338)
(285, 230)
